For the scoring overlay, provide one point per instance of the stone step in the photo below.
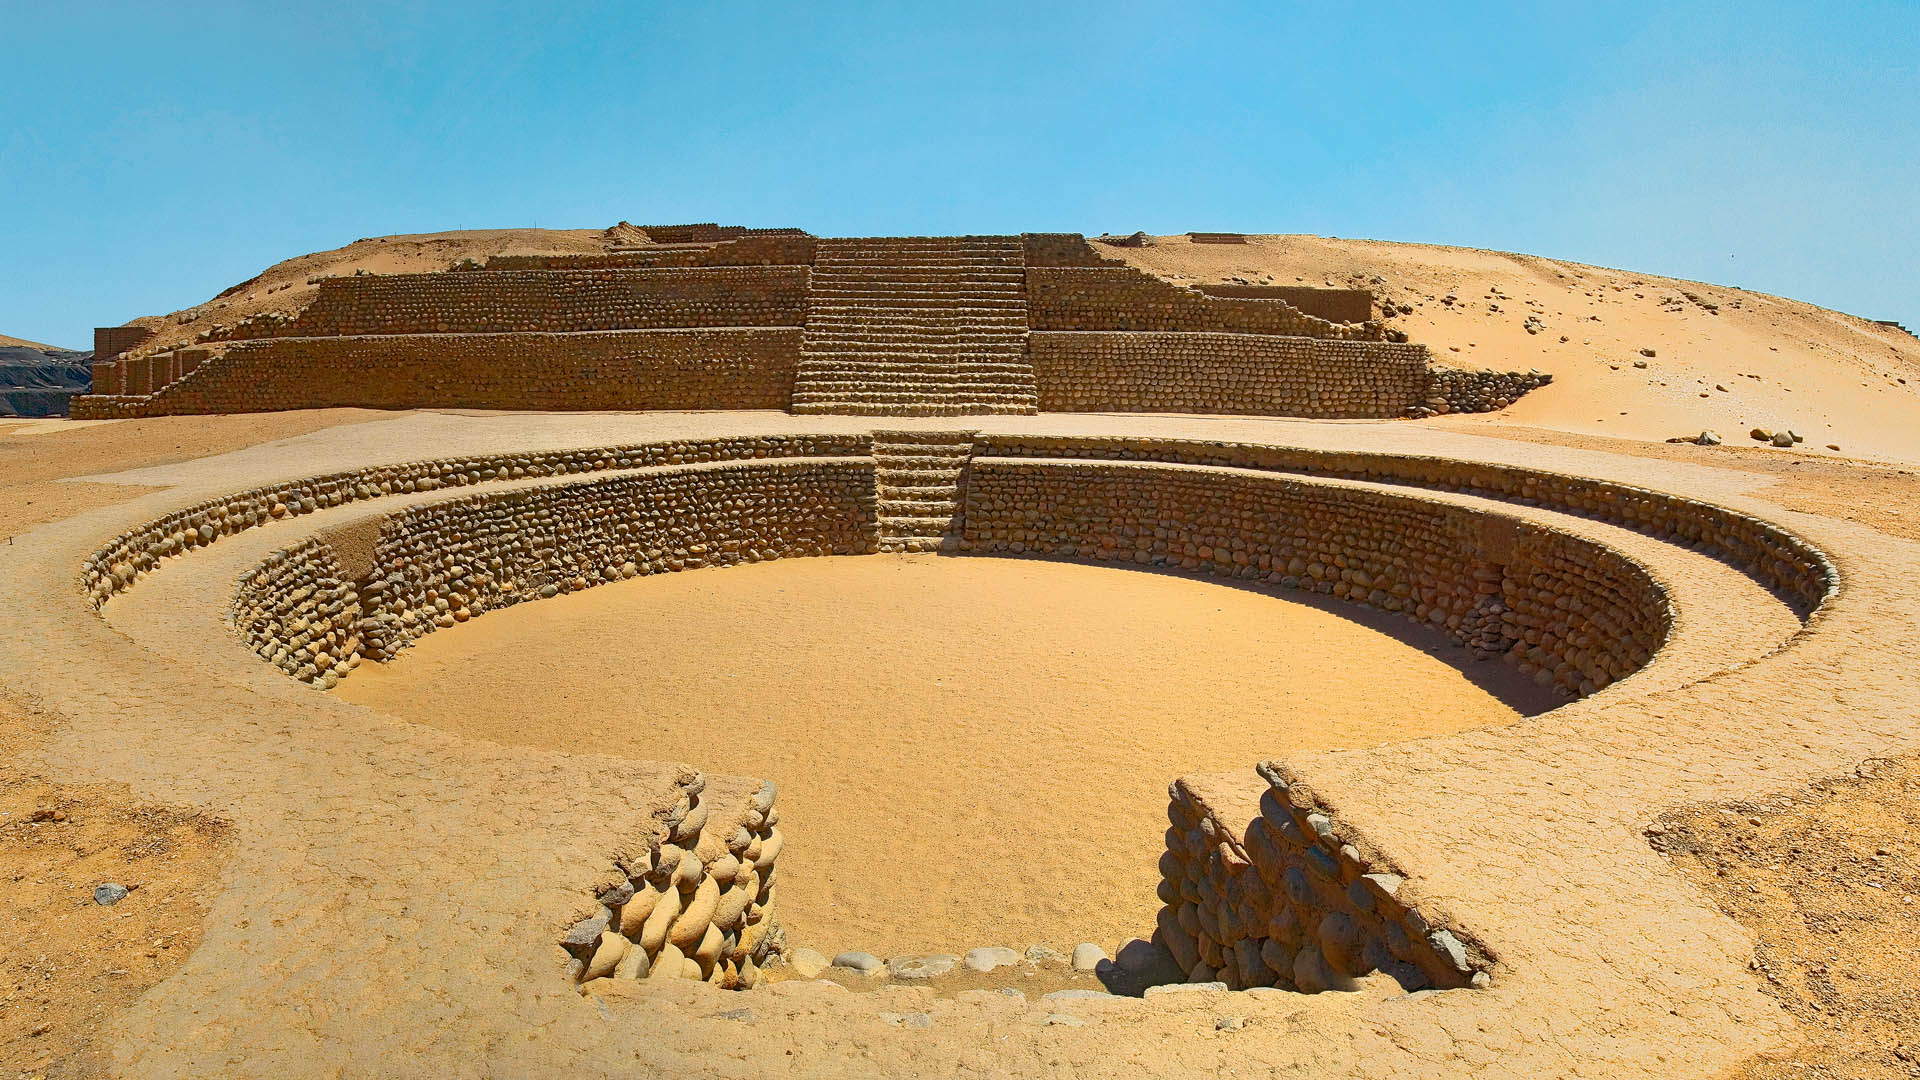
(863, 408)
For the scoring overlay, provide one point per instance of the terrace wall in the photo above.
(626, 369)
(1243, 374)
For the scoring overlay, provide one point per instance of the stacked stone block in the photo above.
(1800, 574)
(919, 477)
(1472, 391)
(441, 564)
(1333, 305)
(1245, 374)
(1276, 894)
(929, 326)
(548, 301)
(117, 565)
(1121, 298)
(696, 902)
(1567, 611)
(741, 368)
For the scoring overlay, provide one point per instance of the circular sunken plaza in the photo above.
(716, 605)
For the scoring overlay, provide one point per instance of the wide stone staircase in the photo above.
(917, 326)
(919, 478)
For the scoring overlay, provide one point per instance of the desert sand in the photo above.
(1632, 355)
(1061, 699)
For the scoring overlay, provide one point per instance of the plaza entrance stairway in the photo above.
(919, 478)
(917, 326)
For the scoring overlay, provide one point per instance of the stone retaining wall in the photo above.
(1333, 305)
(693, 900)
(1120, 298)
(1262, 887)
(548, 301)
(1243, 374)
(122, 561)
(1567, 611)
(625, 369)
(1793, 569)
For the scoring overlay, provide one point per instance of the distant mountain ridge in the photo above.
(37, 380)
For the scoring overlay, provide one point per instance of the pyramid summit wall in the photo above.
(722, 318)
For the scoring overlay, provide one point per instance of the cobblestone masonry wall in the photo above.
(116, 566)
(1226, 373)
(1569, 612)
(1121, 298)
(744, 368)
(1261, 888)
(1795, 570)
(1334, 305)
(552, 301)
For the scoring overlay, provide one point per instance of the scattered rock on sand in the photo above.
(1783, 438)
(1229, 1023)
(1708, 438)
(989, 957)
(1087, 957)
(1761, 434)
(1043, 954)
(863, 962)
(921, 967)
(109, 893)
(807, 963)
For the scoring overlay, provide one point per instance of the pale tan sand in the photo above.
(970, 751)
(1759, 360)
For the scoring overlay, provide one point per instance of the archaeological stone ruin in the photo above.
(705, 317)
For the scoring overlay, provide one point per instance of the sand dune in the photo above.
(1722, 358)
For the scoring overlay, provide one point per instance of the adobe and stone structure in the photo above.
(1705, 643)
(711, 317)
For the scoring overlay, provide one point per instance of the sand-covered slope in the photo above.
(22, 343)
(1722, 358)
(288, 286)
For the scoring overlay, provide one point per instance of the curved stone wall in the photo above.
(1568, 610)
(117, 565)
(1259, 889)
(328, 602)
(1796, 571)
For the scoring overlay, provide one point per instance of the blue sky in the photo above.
(151, 155)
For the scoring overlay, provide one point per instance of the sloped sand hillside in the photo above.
(1715, 357)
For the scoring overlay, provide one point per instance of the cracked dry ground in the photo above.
(1827, 881)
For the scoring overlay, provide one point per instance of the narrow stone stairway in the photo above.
(918, 478)
(917, 326)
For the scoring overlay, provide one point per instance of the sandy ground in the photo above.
(1722, 358)
(69, 963)
(1829, 882)
(969, 751)
(23, 343)
(36, 455)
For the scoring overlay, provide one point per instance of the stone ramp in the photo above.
(919, 326)
(919, 478)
